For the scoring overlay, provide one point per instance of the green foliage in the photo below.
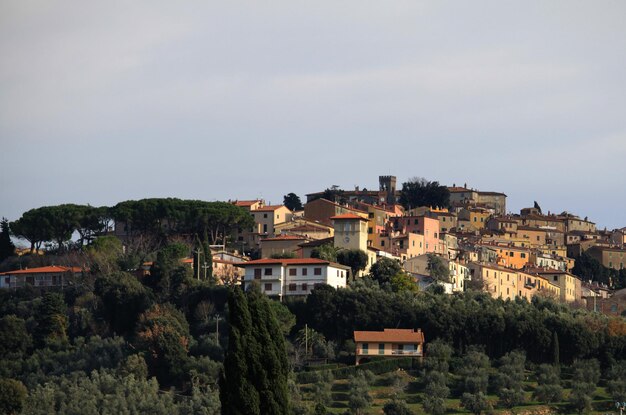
(548, 388)
(105, 253)
(435, 393)
(403, 282)
(476, 403)
(7, 248)
(616, 385)
(353, 258)
(123, 299)
(322, 388)
(358, 387)
(286, 320)
(438, 355)
(439, 271)
(51, 320)
(396, 407)
(12, 396)
(15, 339)
(254, 379)
(586, 267)
(584, 380)
(163, 334)
(420, 192)
(327, 252)
(292, 202)
(509, 379)
(385, 269)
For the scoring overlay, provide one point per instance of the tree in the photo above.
(124, 298)
(238, 395)
(255, 375)
(163, 334)
(353, 258)
(476, 403)
(292, 202)
(327, 252)
(616, 385)
(420, 192)
(385, 269)
(51, 320)
(439, 271)
(584, 380)
(555, 349)
(435, 393)
(402, 282)
(14, 337)
(360, 398)
(508, 381)
(397, 407)
(13, 394)
(7, 248)
(438, 355)
(548, 388)
(322, 388)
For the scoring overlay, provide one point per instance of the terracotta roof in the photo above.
(308, 228)
(459, 189)
(246, 202)
(318, 242)
(491, 193)
(43, 270)
(285, 238)
(390, 336)
(268, 208)
(291, 261)
(347, 216)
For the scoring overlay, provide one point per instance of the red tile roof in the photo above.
(269, 208)
(347, 216)
(291, 261)
(43, 270)
(246, 202)
(285, 238)
(390, 336)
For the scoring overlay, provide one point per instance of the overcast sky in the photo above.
(108, 101)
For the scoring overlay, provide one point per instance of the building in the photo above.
(459, 272)
(293, 277)
(422, 225)
(282, 245)
(43, 277)
(570, 286)
(322, 210)
(498, 281)
(614, 258)
(388, 343)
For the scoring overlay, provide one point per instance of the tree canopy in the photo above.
(420, 192)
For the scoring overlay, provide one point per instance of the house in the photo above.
(498, 281)
(570, 286)
(321, 210)
(45, 277)
(473, 218)
(459, 273)
(422, 225)
(389, 343)
(351, 233)
(614, 258)
(282, 245)
(612, 306)
(293, 276)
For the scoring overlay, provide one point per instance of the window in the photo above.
(613, 308)
(416, 222)
(292, 287)
(381, 348)
(292, 272)
(555, 278)
(304, 271)
(317, 271)
(268, 271)
(370, 230)
(366, 347)
(370, 215)
(264, 228)
(382, 243)
(265, 215)
(257, 273)
(304, 287)
(268, 286)
(523, 255)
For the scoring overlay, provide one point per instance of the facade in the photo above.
(282, 245)
(422, 225)
(493, 200)
(459, 272)
(41, 277)
(570, 285)
(389, 343)
(293, 277)
(614, 258)
(321, 210)
(499, 282)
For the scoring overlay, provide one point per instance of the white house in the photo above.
(293, 276)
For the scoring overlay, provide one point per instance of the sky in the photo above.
(102, 102)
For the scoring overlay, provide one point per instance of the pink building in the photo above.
(422, 225)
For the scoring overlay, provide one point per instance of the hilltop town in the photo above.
(402, 296)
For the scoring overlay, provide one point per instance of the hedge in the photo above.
(377, 367)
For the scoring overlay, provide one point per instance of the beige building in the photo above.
(303, 227)
(282, 245)
(614, 258)
(459, 272)
(388, 343)
(498, 281)
(351, 233)
(321, 210)
(569, 285)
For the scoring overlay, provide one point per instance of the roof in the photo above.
(246, 202)
(43, 270)
(308, 228)
(491, 193)
(291, 261)
(459, 189)
(269, 208)
(390, 336)
(347, 216)
(318, 242)
(285, 238)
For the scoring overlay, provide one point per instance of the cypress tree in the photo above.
(555, 349)
(237, 393)
(271, 379)
(6, 246)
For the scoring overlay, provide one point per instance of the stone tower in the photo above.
(388, 188)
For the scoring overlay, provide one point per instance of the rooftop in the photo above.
(390, 336)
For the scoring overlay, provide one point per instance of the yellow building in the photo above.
(499, 282)
(568, 284)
